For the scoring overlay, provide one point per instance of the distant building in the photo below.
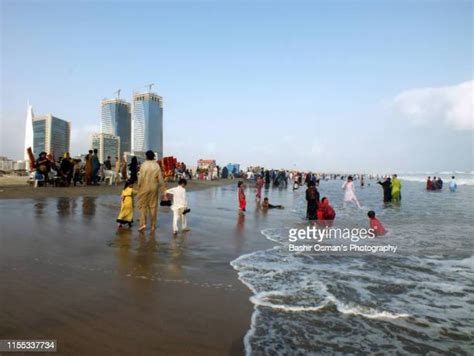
(19, 165)
(107, 145)
(206, 163)
(6, 164)
(51, 135)
(116, 120)
(147, 124)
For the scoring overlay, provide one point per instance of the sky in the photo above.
(341, 86)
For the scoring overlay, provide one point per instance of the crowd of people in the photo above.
(145, 181)
(437, 184)
(67, 171)
(318, 211)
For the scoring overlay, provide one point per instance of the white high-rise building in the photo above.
(28, 131)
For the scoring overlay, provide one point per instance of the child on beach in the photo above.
(266, 205)
(326, 213)
(349, 193)
(242, 201)
(179, 205)
(126, 210)
(375, 224)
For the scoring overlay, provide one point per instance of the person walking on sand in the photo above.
(95, 168)
(260, 183)
(349, 193)
(179, 205)
(241, 194)
(88, 168)
(133, 169)
(396, 189)
(124, 169)
(150, 183)
(126, 211)
(117, 170)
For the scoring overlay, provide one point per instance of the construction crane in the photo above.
(118, 93)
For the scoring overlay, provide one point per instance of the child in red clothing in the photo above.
(375, 224)
(242, 202)
(326, 213)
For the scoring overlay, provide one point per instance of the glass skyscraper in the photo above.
(51, 135)
(147, 123)
(116, 120)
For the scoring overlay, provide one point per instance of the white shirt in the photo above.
(179, 197)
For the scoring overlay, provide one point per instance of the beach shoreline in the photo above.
(14, 187)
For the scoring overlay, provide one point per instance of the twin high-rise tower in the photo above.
(139, 126)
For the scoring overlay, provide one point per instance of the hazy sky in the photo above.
(330, 86)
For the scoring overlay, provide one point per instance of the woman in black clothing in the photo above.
(133, 170)
(312, 197)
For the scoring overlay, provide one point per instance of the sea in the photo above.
(417, 300)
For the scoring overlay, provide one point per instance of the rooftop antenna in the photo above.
(149, 86)
(118, 93)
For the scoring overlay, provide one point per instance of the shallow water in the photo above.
(418, 300)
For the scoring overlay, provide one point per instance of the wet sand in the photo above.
(68, 274)
(18, 188)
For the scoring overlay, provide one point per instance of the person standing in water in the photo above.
(150, 183)
(396, 189)
(312, 198)
(349, 193)
(260, 183)
(453, 185)
(241, 195)
(387, 189)
(429, 184)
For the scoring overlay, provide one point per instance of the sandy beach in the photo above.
(16, 187)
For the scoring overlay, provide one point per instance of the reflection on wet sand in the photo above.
(40, 204)
(66, 206)
(98, 277)
(88, 207)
